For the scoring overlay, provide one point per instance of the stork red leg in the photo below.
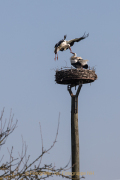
(70, 50)
(57, 56)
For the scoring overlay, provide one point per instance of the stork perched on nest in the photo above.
(78, 62)
(63, 45)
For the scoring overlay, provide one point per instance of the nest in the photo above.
(75, 76)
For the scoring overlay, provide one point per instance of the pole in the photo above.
(75, 133)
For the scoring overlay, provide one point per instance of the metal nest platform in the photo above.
(73, 77)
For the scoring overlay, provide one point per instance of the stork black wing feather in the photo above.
(58, 44)
(72, 43)
(79, 39)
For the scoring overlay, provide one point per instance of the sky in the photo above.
(28, 32)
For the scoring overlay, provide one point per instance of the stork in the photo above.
(78, 62)
(63, 45)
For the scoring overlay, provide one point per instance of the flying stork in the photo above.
(63, 45)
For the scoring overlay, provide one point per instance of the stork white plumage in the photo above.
(78, 62)
(63, 45)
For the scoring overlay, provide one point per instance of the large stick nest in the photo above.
(74, 76)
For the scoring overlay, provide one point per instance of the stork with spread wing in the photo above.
(63, 45)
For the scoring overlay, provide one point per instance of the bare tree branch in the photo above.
(19, 168)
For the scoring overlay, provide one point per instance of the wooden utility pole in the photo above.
(75, 133)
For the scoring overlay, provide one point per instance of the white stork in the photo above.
(78, 62)
(63, 45)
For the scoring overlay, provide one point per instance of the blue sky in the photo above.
(28, 32)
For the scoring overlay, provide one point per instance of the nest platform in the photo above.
(72, 76)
